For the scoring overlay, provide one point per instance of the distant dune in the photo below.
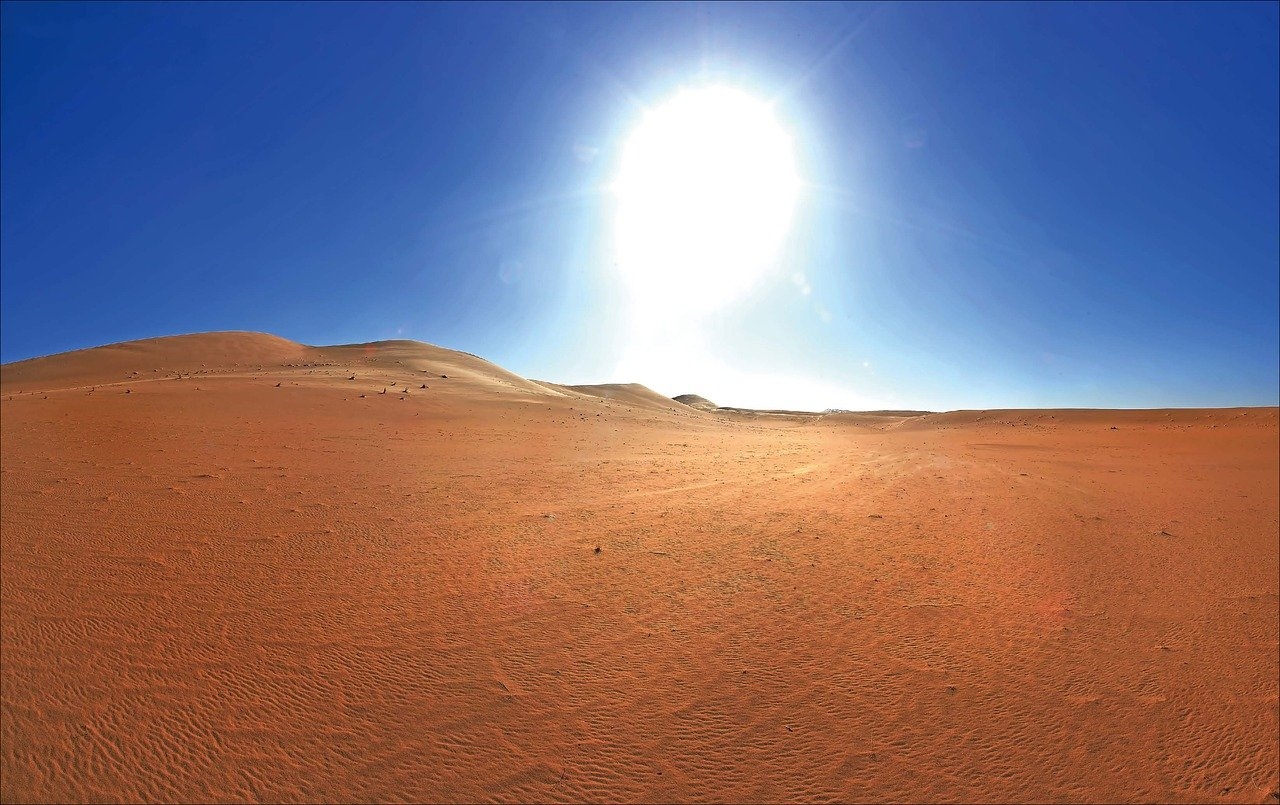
(238, 568)
(224, 352)
(629, 393)
(694, 401)
(241, 354)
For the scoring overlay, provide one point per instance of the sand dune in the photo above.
(629, 393)
(695, 401)
(240, 354)
(253, 578)
(225, 353)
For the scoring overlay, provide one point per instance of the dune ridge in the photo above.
(696, 401)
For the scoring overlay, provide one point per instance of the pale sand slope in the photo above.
(252, 592)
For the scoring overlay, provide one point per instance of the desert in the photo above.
(238, 568)
(697, 402)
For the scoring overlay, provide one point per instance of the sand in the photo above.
(227, 575)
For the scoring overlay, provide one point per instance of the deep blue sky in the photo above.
(1006, 205)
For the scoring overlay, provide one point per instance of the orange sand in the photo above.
(217, 588)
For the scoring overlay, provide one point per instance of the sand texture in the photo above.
(232, 572)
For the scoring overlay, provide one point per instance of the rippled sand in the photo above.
(235, 578)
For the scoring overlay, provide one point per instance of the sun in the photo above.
(706, 190)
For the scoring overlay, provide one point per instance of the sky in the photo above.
(998, 205)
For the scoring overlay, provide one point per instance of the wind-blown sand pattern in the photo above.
(231, 572)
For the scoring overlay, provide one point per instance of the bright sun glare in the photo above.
(706, 191)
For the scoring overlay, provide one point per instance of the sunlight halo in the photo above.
(706, 191)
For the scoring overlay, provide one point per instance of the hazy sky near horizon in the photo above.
(1000, 205)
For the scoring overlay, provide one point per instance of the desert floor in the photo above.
(235, 578)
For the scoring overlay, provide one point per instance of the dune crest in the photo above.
(224, 351)
(695, 401)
